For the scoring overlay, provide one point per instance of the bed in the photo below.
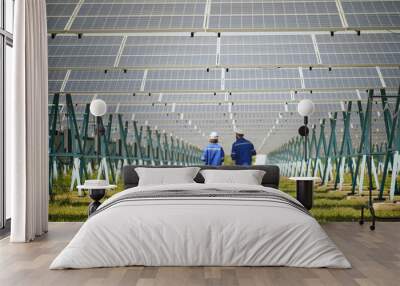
(199, 224)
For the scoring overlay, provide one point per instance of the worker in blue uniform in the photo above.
(213, 154)
(242, 150)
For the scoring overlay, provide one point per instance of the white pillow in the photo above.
(166, 176)
(248, 177)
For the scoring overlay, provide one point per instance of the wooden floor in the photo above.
(375, 257)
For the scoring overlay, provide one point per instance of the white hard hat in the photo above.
(239, 131)
(213, 135)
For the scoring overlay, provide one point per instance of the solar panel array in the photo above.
(190, 67)
(221, 15)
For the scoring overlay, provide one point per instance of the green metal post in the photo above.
(53, 126)
(123, 136)
(364, 137)
(389, 149)
(331, 148)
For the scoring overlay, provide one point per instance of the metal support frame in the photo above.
(345, 149)
(392, 125)
(331, 151)
(363, 148)
(76, 149)
(76, 145)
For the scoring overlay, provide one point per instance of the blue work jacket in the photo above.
(242, 151)
(213, 155)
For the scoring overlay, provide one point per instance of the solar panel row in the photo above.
(236, 80)
(223, 15)
(243, 50)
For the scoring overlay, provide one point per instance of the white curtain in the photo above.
(26, 124)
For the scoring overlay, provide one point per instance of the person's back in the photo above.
(213, 154)
(242, 150)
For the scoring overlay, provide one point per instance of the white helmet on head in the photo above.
(213, 135)
(239, 131)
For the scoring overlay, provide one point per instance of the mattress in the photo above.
(201, 225)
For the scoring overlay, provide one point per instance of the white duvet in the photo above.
(200, 231)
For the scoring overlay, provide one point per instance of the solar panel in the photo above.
(133, 9)
(201, 108)
(168, 51)
(364, 49)
(274, 15)
(56, 23)
(61, 1)
(132, 16)
(391, 76)
(86, 40)
(253, 79)
(144, 109)
(188, 79)
(81, 61)
(56, 75)
(54, 86)
(267, 50)
(188, 97)
(97, 82)
(372, 13)
(101, 76)
(342, 78)
(257, 107)
(59, 9)
(235, 50)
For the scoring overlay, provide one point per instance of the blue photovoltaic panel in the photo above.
(325, 96)
(270, 22)
(89, 51)
(237, 97)
(133, 16)
(274, 15)
(82, 61)
(97, 82)
(86, 40)
(201, 108)
(253, 79)
(267, 50)
(147, 1)
(257, 107)
(341, 78)
(391, 77)
(55, 85)
(56, 23)
(56, 79)
(56, 10)
(371, 20)
(144, 109)
(372, 13)
(165, 80)
(57, 75)
(120, 10)
(137, 23)
(182, 97)
(168, 51)
(166, 60)
(364, 49)
(61, 1)
(97, 86)
(126, 15)
(58, 14)
(110, 75)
